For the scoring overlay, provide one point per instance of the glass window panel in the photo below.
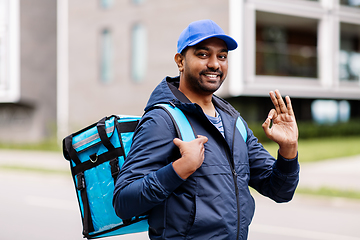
(106, 71)
(349, 52)
(330, 111)
(106, 3)
(3, 35)
(351, 3)
(138, 1)
(9, 55)
(2, 60)
(139, 52)
(286, 45)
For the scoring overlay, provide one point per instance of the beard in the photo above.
(204, 85)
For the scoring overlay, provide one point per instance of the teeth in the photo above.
(211, 75)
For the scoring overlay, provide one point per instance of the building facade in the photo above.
(307, 49)
(119, 51)
(66, 64)
(27, 70)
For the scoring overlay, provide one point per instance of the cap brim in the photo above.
(230, 42)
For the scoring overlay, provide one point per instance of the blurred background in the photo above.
(65, 64)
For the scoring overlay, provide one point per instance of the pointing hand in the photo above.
(192, 156)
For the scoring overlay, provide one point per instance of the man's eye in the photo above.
(223, 56)
(202, 54)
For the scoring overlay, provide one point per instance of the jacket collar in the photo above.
(218, 102)
(167, 91)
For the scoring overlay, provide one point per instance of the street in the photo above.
(42, 206)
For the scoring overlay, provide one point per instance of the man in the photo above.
(199, 189)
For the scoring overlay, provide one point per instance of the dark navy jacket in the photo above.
(214, 202)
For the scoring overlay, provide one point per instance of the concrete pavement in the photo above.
(34, 159)
(341, 173)
(29, 203)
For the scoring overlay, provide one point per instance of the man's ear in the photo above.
(179, 59)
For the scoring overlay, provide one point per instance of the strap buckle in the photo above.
(80, 181)
(115, 169)
(94, 157)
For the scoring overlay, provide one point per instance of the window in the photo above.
(286, 45)
(296, 45)
(9, 51)
(105, 4)
(349, 56)
(139, 52)
(137, 2)
(106, 68)
(351, 3)
(330, 111)
(3, 44)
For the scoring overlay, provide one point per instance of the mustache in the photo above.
(211, 71)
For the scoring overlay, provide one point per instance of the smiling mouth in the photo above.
(212, 76)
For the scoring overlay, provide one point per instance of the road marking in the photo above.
(51, 203)
(293, 232)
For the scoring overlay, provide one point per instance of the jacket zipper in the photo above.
(236, 185)
(234, 174)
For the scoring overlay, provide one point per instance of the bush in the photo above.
(48, 145)
(309, 130)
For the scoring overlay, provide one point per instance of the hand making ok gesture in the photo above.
(284, 130)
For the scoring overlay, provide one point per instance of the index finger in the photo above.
(274, 101)
(280, 102)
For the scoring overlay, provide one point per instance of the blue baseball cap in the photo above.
(201, 30)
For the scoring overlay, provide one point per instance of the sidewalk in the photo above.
(34, 159)
(341, 173)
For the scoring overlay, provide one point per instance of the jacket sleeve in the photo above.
(276, 179)
(147, 177)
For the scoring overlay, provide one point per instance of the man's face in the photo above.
(205, 66)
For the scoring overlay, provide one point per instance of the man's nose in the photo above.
(213, 63)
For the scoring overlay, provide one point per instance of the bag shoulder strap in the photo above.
(182, 124)
(241, 127)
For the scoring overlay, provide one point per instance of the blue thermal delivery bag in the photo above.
(96, 154)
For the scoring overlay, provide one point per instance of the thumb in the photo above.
(177, 142)
(266, 124)
(202, 138)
